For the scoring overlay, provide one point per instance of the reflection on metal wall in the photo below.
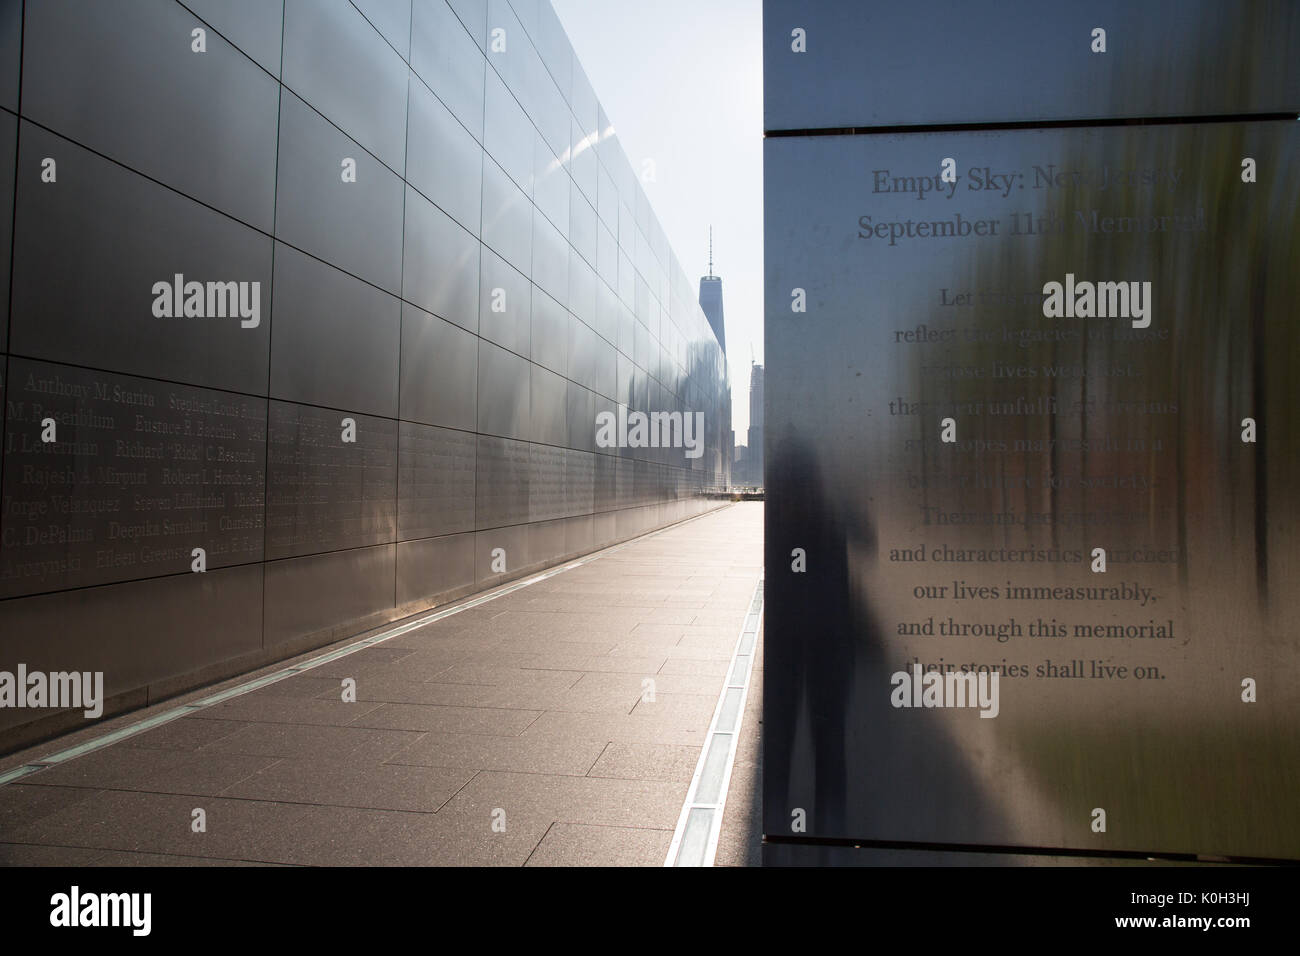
(337, 293)
(1086, 490)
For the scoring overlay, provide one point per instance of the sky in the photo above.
(682, 83)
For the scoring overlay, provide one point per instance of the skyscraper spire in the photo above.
(711, 298)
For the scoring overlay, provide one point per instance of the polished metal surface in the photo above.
(941, 62)
(507, 133)
(439, 376)
(449, 62)
(368, 100)
(11, 28)
(550, 333)
(507, 217)
(469, 304)
(252, 25)
(171, 625)
(134, 100)
(435, 481)
(337, 339)
(429, 568)
(392, 18)
(440, 263)
(356, 226)
(1070, 434)
(324, 493)
(87, 253)
(503, 393)
(443, 160)
(8, 149)
(505, 299)
(502, 487)
(129, 488)
(324, 592)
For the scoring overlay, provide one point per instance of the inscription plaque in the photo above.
(435, 481)
(138, 475)
(502, 484)
(546, 486)
(324, 493)
(1008, 436)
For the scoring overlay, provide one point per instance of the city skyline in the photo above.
(707, 161)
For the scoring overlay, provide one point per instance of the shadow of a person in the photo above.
(810, 664)
(831, 737)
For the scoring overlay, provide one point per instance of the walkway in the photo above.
(519, 731)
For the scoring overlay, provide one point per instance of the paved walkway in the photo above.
(515, 732)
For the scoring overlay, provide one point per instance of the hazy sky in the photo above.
(682, 83)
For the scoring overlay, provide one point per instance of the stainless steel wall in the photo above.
(889, 548)
(491, 281)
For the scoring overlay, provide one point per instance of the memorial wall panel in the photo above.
(9, 152)
(581, 406)
(604, 483)
(502, 492)
(11, 30)
(443, 161)
(439, 371)
(547, 399)
(503, 393)
(439, 263)
(507, 218)
(110, 478)
(947, 61)
(136, 633)
(546, 541)
(582, 164)
(345, 70)
(337, 339)
(252, 25)
(356, 226)
(123, 81)
(583, 230)
(449, 61)
(331, 482)
(328, 594)
(579, 482)
(1034, 422)
(435, 481)
(550, 333)
(551, 184)
(507, 133)
(505, 304)
(546, 485)
(500, 553)
(429, 568)
(392, 18)
(550, 270)
(582, 289)
(472, 14)
(114, 271)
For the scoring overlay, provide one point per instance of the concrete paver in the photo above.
(516, 732)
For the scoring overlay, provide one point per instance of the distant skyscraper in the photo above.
(711, 299)
(754, 458)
